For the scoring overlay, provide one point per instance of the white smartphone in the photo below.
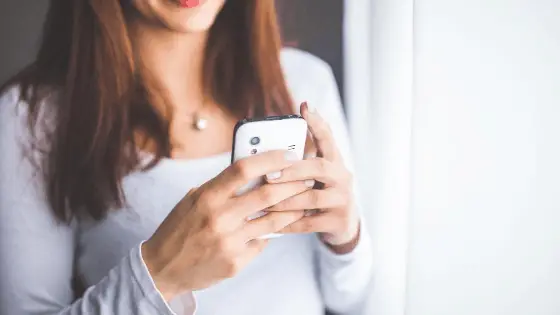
(254, 136)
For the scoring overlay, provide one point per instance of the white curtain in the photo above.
(378, 83)
(454, 108)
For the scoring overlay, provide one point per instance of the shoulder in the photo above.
(13, 113)
(301, 64)
(9, 100)
(308, 77)
(14, 119)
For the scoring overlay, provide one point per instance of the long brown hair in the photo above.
(86, 58)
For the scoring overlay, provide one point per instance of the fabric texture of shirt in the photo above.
(295, 274)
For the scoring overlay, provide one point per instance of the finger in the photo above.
(312, 199)
(321, 132)
(270, 223)
(237, 175)
(318, 169)
(266, 196)
(310, 149)
(320, 223)
(255, 246)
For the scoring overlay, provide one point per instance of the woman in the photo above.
(116, 176)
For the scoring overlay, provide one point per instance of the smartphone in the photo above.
(255, 136)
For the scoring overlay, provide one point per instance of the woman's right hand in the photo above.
(206, 238)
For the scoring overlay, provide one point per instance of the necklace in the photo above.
(199, 123)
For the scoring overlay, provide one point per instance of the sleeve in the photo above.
(37, 253)
(344, 279)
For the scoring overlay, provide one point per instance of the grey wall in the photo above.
(20, 26)
(316, 26)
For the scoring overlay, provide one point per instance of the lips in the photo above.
(189, 3)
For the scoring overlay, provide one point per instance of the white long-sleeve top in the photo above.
(295, 274)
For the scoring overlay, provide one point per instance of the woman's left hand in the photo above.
(332, 212)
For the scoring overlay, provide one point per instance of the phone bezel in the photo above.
(252, 120)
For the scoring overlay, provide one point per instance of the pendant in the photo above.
(200, 123)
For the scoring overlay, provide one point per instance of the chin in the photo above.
(199, 18)
(193, 25)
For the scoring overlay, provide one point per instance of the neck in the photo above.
(174, 61)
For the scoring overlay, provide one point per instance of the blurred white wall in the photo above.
(480, 180)
(485, 219)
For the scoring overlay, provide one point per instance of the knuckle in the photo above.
(344, 223)
(192, 192)
(231, 268)
(314, 197)
(241, 169)
(276, 208)
(345, 220)
(267, 194)
(343, 200)
(322, 166)
(217, 224)
(273, 222)
(307, 226)
(223, 246)
(338, 198)
(347, 198)
(204, 200)
(276, 223)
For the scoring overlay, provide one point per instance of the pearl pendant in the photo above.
(200, 123)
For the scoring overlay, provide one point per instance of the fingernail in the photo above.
(300, 108)
(310, 183)
(273, 176)
(310, 156)
(291, 156)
